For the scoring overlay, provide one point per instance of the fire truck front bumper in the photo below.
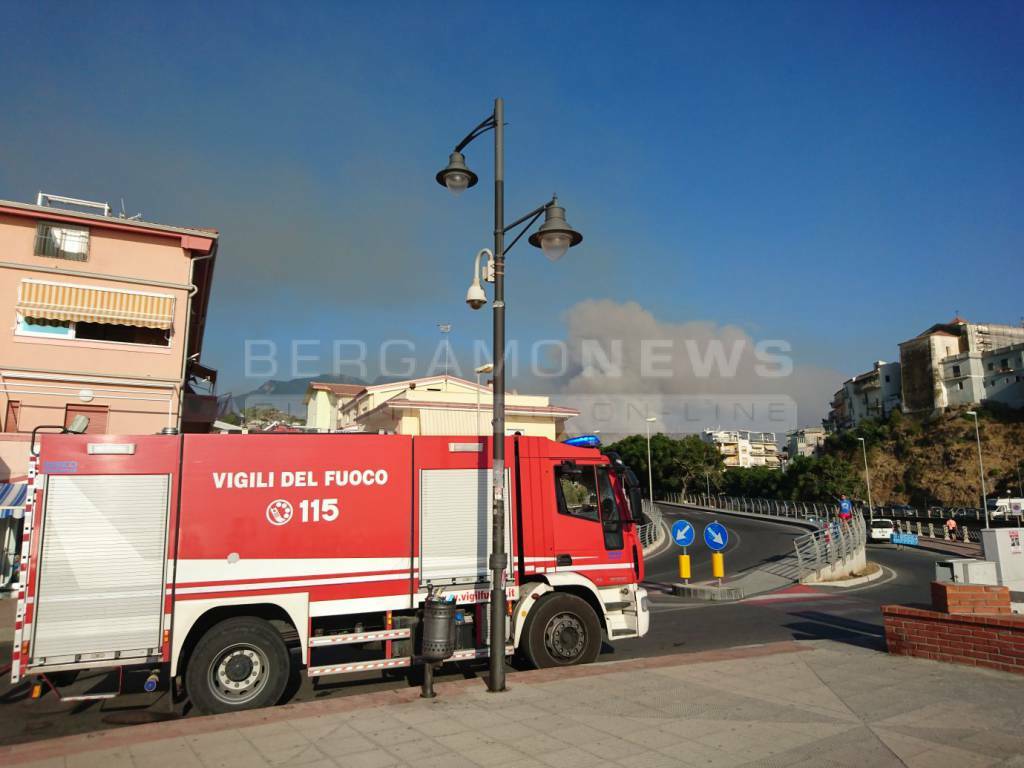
(643, 612)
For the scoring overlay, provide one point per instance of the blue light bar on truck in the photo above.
(584, 441)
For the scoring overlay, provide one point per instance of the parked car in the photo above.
(881, 529)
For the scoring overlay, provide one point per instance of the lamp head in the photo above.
(456, 176)
(555, 236)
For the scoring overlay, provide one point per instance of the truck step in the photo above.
(358, 637)
(464, 654)
(359, 666)
(477, 653)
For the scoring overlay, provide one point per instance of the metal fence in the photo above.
(824, 513)
(650, 532)
(837, 542)
(770, 507)
(834, 541)
(938, 531)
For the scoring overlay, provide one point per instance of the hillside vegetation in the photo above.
(934, 461)
(921, 461)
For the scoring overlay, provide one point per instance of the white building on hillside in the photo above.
(740, 448)
(960, 363)
(806, 441)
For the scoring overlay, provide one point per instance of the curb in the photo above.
(709, 592)
(844, 583)
(193, 726)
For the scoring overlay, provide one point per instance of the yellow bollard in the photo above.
(717, 565)
(684, 566)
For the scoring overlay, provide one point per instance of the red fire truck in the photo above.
(197, 559)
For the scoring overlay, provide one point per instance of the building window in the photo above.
(991, 366)
(60, 241)
(97, 415)
(51, 329)
(13, 411)
(65, 329)
(1004, 363)
(887, 378)
(956, 370)
(959, 385)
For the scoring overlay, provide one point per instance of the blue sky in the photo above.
(839, 175)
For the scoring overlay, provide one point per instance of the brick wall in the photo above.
(971, 624)
(970, 598)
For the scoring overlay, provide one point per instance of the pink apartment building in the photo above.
(101, 317)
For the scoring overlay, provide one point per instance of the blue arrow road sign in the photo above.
(683, 533)
(716, 537)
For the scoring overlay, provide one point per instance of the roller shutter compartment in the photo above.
(101, 575)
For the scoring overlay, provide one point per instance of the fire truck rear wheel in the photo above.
(560, 631)
(240, 663)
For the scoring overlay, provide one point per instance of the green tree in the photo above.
(698, 464)
(676, 464)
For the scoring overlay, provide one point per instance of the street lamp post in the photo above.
(650, 474)
(867, 480)
(981, 467)
(485, 368)
(554, 238)
(445, 329)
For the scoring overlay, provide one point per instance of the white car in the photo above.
(881, 529)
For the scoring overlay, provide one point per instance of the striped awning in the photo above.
(12, 499)
(76, 303)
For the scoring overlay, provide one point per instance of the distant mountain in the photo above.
(287, 395)
(278, 388)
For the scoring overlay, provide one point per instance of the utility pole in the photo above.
(867, 481)
(650, 473)
(981, 468)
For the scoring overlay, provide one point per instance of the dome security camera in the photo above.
(475, 296)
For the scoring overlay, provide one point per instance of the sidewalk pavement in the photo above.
(808, 704)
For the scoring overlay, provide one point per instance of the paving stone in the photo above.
(410, 751)
(377, 758)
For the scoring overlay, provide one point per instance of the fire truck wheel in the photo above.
(240, 663)
(560, 631)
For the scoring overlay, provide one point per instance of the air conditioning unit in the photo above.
(967, 571)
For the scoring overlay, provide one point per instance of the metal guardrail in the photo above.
(651, 532)
(835, 541)
(800, 510)
(939, 532)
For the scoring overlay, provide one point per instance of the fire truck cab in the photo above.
(199, 559)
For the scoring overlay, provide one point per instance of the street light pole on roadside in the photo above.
(867, 481)
(981, 467)
(485, 368)
(554, 238)
(650, 474)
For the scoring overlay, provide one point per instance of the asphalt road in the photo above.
(677, 625)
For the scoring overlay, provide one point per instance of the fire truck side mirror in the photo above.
(636, 506)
